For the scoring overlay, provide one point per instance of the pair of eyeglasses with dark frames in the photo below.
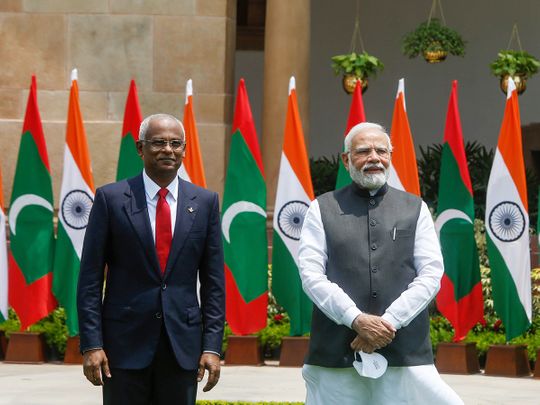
(364, 152)
(159, 144)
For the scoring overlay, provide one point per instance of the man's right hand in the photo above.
(95, 364)
(373, 332)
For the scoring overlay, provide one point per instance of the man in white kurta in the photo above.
(367, 156)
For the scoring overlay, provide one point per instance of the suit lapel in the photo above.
(186, 210)
(137, 212)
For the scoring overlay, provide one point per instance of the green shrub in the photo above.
(324, 173)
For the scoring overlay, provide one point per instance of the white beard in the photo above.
(369, 181)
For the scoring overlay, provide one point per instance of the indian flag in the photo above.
(3, 259)
(294, 194)
(76, 198)
(356, 116)
(192, 168)
(507, 224)
(403, 169)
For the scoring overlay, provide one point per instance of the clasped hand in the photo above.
(373, 332)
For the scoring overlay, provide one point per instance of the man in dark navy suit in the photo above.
(146, 337)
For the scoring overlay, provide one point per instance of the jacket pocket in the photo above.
(194, 316)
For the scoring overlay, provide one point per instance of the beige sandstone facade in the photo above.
(159, 43)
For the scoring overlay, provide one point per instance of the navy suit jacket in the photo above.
(127, 318)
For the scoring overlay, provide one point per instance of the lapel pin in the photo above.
(190, 209)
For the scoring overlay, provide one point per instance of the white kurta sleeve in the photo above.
(312, 258)
(428, 263)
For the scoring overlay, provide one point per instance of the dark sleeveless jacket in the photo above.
(373, 264)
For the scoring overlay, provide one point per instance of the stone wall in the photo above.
(159, 43)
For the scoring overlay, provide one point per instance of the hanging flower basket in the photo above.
(434, 41)
(356, 66)
(519, 65)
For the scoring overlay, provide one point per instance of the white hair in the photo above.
(143, 129)
(364, 126)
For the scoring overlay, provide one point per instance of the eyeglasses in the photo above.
(365, 152)
(159, 144)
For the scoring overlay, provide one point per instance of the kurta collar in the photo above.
(364, 192)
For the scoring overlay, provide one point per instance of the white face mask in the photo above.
(369, 181)
(372, 365)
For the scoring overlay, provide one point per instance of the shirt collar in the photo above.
(151, 188)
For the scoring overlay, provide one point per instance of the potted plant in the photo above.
(519, 65)
(434, 41)
(356, 66)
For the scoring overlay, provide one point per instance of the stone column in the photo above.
(286, 54)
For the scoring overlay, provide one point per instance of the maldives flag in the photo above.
(294, 194)
(243, 224)
(129, 162)
(192, 168)
(3, 259)
(460, 297)
(356, 116)
(507, 224)
(31, 223)
(76, 198)
(403, 169)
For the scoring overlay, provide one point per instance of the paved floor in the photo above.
(52, 384)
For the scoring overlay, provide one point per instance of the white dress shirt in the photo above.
(151, 190)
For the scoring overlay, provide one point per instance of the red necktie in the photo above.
(163, 229)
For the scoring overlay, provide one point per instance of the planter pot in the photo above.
(520, 81)
(507, 361)
(293, 351)
(457, 358)
(349, 83)
(3, 345)
(25, 347)
(243, 351)
(435, 56)
(73, 354)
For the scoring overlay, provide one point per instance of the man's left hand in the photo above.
(210, 362)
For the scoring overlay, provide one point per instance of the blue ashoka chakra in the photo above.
(506, 221)
(75, 208)
(291, 218)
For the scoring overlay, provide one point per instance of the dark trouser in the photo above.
(163, 382)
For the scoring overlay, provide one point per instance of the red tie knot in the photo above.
(163, 193)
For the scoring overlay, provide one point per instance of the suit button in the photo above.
(374, 269)
(163, 286)
(372, 222)
(372, 202)
(374, 294)
(374, 246)
(158, 315)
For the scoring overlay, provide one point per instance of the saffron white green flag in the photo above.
(76, 199)
(507, 225)
(294, 194)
